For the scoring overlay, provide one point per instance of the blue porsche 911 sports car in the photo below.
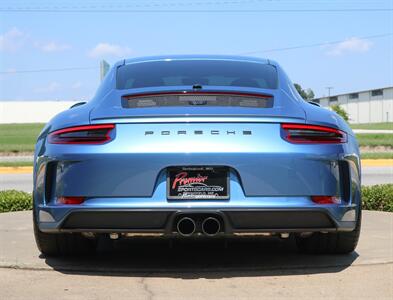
(186, 146)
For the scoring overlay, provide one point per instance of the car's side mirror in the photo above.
(78, 104)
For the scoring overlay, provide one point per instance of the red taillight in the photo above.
(70, 200)
(326, 199)
(312, 134)
(88, 134)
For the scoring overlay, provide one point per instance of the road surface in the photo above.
(248, 269)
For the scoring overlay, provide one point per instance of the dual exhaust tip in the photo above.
(186, 226)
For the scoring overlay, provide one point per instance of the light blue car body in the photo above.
(128, 174)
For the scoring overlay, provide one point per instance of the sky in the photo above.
(51, 50)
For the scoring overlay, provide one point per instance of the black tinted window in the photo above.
(376, 93)
(202, 72)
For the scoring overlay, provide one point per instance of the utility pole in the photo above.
(329, 88)
(104, 68)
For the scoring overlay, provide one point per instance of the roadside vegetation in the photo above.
(374, 140)
(16, 138)
(369, 126)
(376, 155)
(375, 126)
(306, 94)
(340, 111)
(12, 200)
(15, 164)
(376, 197)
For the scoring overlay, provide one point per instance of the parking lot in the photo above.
(165, 269)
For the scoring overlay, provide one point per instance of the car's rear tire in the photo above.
(62, 244)
(332, 242)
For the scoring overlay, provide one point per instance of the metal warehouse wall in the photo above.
(31, 111)
(366, 108)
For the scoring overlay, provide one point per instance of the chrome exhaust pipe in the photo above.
(186, 226)
(211, 226)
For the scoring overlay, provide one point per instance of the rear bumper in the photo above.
(271, 181)
(233, 220)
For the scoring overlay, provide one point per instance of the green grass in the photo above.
(376, 197)
(16, 163)
(373, 140)
(22, 137)
(377, 155)
(366, 155)
(385, 125)
(19, 137)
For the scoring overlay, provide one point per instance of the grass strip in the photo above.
(374, 126)
(375, 139)
(19, 137)
(377, 155)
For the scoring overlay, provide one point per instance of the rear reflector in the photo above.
(312, 134)
(70, 200)
(89, 134)
(326, 199)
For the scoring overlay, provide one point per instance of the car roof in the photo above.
(196, 57)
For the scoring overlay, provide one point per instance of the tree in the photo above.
(306, 94)
(340, 111)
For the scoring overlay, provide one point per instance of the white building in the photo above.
(31, 111)
(371, 106)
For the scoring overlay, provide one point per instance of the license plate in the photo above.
(198, 183)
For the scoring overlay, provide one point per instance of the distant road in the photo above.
(20, 182)
(23, 182)
(377, 175)
(373, 131)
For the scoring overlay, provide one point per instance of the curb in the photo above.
(377, 162)
(365, 163)
(16, 170)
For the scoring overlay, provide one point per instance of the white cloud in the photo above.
(350, 45)
(77, 85)
(104, 49)
(15, 39)
(52, 46)
(50, 88)
(12, 40)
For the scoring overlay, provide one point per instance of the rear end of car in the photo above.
(212, 156)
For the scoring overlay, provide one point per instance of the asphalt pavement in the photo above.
(268, 268)
(20, 182)
(377, 175)
(23, 181)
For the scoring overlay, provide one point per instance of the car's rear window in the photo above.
(197, 72)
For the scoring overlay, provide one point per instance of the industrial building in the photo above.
(371, 106)
(31, 111)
